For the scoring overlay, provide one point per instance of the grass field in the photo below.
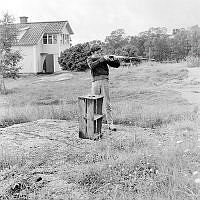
(137, 94)
(156, 157)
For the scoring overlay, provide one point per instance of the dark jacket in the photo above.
(99, 67)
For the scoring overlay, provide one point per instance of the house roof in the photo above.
(35, 30)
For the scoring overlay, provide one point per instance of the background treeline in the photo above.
(154, 43)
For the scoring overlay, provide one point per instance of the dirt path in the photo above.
(34, 80)
(50, 152)
(190, 88)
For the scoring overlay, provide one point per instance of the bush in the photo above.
(193, 61)
(75, 58)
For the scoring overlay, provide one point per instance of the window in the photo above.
(45, 39)
(65, 39)
(49, 39)
(54, 39)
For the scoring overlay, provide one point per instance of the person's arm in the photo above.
(95, 62)
(113, 63)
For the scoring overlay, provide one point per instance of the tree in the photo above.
(75, 58)
(180, 45)
(130, 50)
(138, 43)
(194, 37)
(99, 42)
(8, 57)
(116, 41)
(155, 43)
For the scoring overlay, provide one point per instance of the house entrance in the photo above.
(48, 64)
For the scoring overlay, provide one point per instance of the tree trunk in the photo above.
(2, 85)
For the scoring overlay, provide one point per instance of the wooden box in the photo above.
(90, 116)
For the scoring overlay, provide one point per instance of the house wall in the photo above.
(33, 56)
(66, 45)
(39, 57)
(28, 62)
(54, 49)
(50, 49)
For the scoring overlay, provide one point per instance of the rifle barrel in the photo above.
(133, 57)
(125, 57)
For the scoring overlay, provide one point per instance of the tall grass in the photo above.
(137, 166)
(135, 98)
(10, 158)
(127, 112)
(16, 115)
(150, 116)
(158, 163)
(193, 61)
(130, 164)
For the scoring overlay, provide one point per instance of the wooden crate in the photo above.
(90, 116)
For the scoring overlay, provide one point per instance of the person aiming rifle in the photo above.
(99, 66)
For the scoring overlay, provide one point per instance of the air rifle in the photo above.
(129, 58)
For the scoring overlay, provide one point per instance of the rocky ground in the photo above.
(41, 144)
(38, 158)
(189, 87)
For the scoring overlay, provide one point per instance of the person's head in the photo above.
(96, 49)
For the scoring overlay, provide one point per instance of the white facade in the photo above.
(28, 63)
(34, 55)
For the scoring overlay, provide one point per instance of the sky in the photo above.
(96, 19)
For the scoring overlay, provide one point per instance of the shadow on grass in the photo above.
(5, 122)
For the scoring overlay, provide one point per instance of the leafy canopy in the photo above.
(8, 57)
(75, 58)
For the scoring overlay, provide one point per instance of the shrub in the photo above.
(75, 58)
(193, 61)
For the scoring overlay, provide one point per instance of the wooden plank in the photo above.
(81, 118)
(91, 97)
(99, 105)
(99, 125)
(99, 115)
(95, 126)
(95, 106)
(90, 118)
(96, 116)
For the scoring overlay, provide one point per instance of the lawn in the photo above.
(138, 96)
(154, 155)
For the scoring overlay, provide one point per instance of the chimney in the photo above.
(23, 20)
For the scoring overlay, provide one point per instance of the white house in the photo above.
(41, 43)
